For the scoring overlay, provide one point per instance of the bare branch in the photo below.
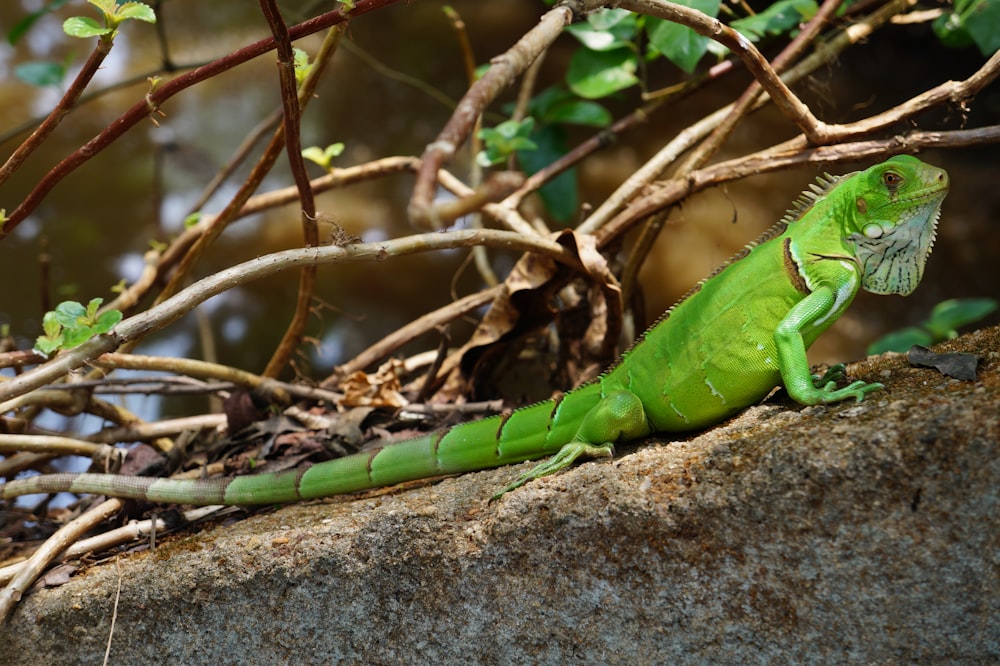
(502, 72)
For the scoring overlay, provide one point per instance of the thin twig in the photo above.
(280, 392)
(480, 256)
(62, 109)
(137, 529)
(502, 72)
(64, 446)
(114, 612)
(414, 329)
(50, 550)
(293, 102)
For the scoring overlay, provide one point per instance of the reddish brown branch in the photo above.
(141, 109)
(65, 105)
(293, 147)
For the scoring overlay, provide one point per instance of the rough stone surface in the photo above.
(856, 533)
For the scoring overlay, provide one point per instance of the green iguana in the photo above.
(736, 336)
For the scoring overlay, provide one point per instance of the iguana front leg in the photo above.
(813, 310)
(619, 416)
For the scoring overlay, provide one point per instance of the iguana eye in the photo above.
(872, 231)
(892, 180)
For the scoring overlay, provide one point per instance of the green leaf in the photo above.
(333, 150)
(22, 26)
(323, 156)
(301, 64)
(502, 141)
(597, 74)
(137, 11)
(561, 194)
(84, 27)
(106, 321)
(950, 31)
(606, 19)
(77, 336)
(69, 313)
(678, 43)
(314, 154)
(901, 340)
(50, 324)
(981, 21)
(947, 316)
(92, 307)
(579, 112)
(106, 6)
(606, 29)
(781, 17)
(46, 345)
(41, 73)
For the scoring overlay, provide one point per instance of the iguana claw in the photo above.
(566, 456)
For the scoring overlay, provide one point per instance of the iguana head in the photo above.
(894, 218)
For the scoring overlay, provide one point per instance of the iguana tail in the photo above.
(529, 433)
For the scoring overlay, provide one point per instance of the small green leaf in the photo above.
(106, 321)
(947, 316)
(41, 73)
(92, 307)
(323, 156)
(678, 43)
(597, 74)
(314, 154)
(901, 340)
(51, 325)
(781, 17)
(76, 336)
(504, 140)
(137, 11)
(579, 112)
(84, 27)
(606, 19)
(301, 65)
(68, 313)
(192, 220)
(605, 29)
(46, 345)
(561, 194)
(333, 150)
(22, 26)
(106, 6)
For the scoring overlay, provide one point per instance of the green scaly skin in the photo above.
(724, 347)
